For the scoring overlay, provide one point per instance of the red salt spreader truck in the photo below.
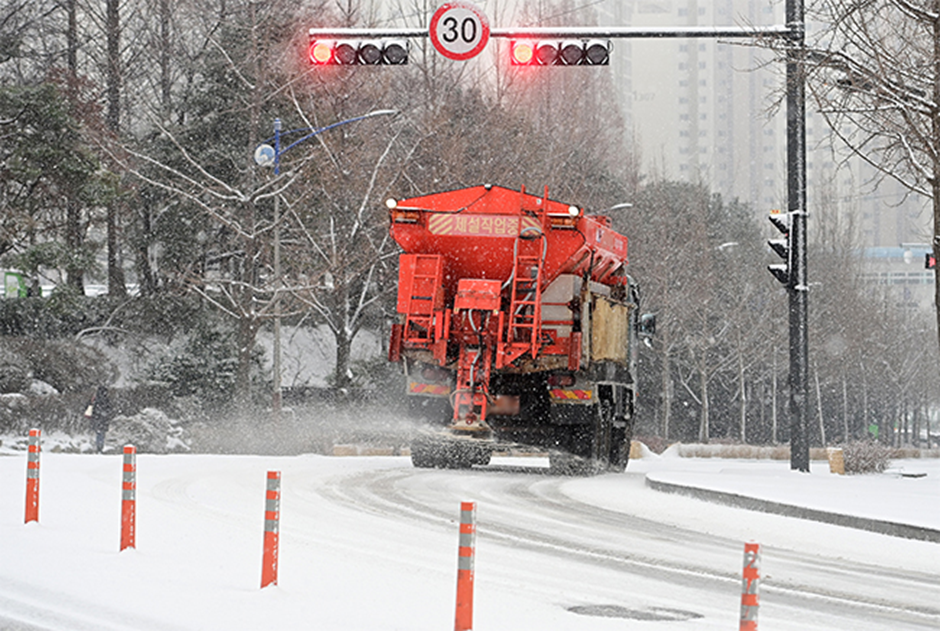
(518, 327)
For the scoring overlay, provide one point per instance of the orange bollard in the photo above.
(468, 529)
(129, 498)
(750, 598)
(32, 477)
(272, 516)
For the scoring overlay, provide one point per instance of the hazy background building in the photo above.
(711, 111)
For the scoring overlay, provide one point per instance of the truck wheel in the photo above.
(570, 464)
(619, 450)
(588, 445)
(481, 456)
(441, 453)
(424, 454)
(602, 439)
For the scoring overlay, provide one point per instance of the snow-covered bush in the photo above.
(66, 365)
(14, 370)
(150, 430)
(865, 456)
(203, 367)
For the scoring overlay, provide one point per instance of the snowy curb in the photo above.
(879, 526)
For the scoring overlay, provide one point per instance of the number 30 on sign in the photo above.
(459, 30)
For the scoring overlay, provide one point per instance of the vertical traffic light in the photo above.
(781, 271)
(352, 52)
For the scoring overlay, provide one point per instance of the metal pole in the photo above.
(561, 32)
(276, 400)
(276, 369)
(796, 204)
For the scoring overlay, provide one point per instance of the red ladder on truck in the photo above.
(420, 294)
(525, 313)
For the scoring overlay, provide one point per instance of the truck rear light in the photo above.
(405, 216)
(563, 222)
(561, 380)
(505, 404)
(435, 375)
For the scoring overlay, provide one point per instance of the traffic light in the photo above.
(930, 262)
(572, 52)
(781, 271)
(366, 52)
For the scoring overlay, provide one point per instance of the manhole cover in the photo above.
(650, 613)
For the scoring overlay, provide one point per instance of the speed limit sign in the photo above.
(459, 30)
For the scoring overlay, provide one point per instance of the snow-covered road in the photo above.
(370, 543)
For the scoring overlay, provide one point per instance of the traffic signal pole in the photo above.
(793, 34)
(569, 32)
(798, 287)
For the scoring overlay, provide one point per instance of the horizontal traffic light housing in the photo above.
(353, 52)
(572, 52)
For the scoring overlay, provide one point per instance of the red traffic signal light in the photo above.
(592, 52)
(350, 52)
(930, 262)
(521, 53)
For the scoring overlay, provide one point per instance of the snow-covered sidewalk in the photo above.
(907, 493)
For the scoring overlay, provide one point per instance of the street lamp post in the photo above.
(266, 155)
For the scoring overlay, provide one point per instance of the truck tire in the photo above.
(444, 453)
(572, 465)
(619, 449)
(424, 455)
(588, 445)
(602, 440)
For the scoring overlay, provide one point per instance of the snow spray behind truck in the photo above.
(518, 326)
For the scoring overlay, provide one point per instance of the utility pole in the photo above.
(796, 205)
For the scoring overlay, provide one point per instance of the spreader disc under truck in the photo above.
(518, 327)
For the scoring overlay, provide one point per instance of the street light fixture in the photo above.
(266, 155)
(619, 206)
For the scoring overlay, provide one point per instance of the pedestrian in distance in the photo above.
(99, 411)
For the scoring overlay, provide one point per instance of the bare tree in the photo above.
(873, 70)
